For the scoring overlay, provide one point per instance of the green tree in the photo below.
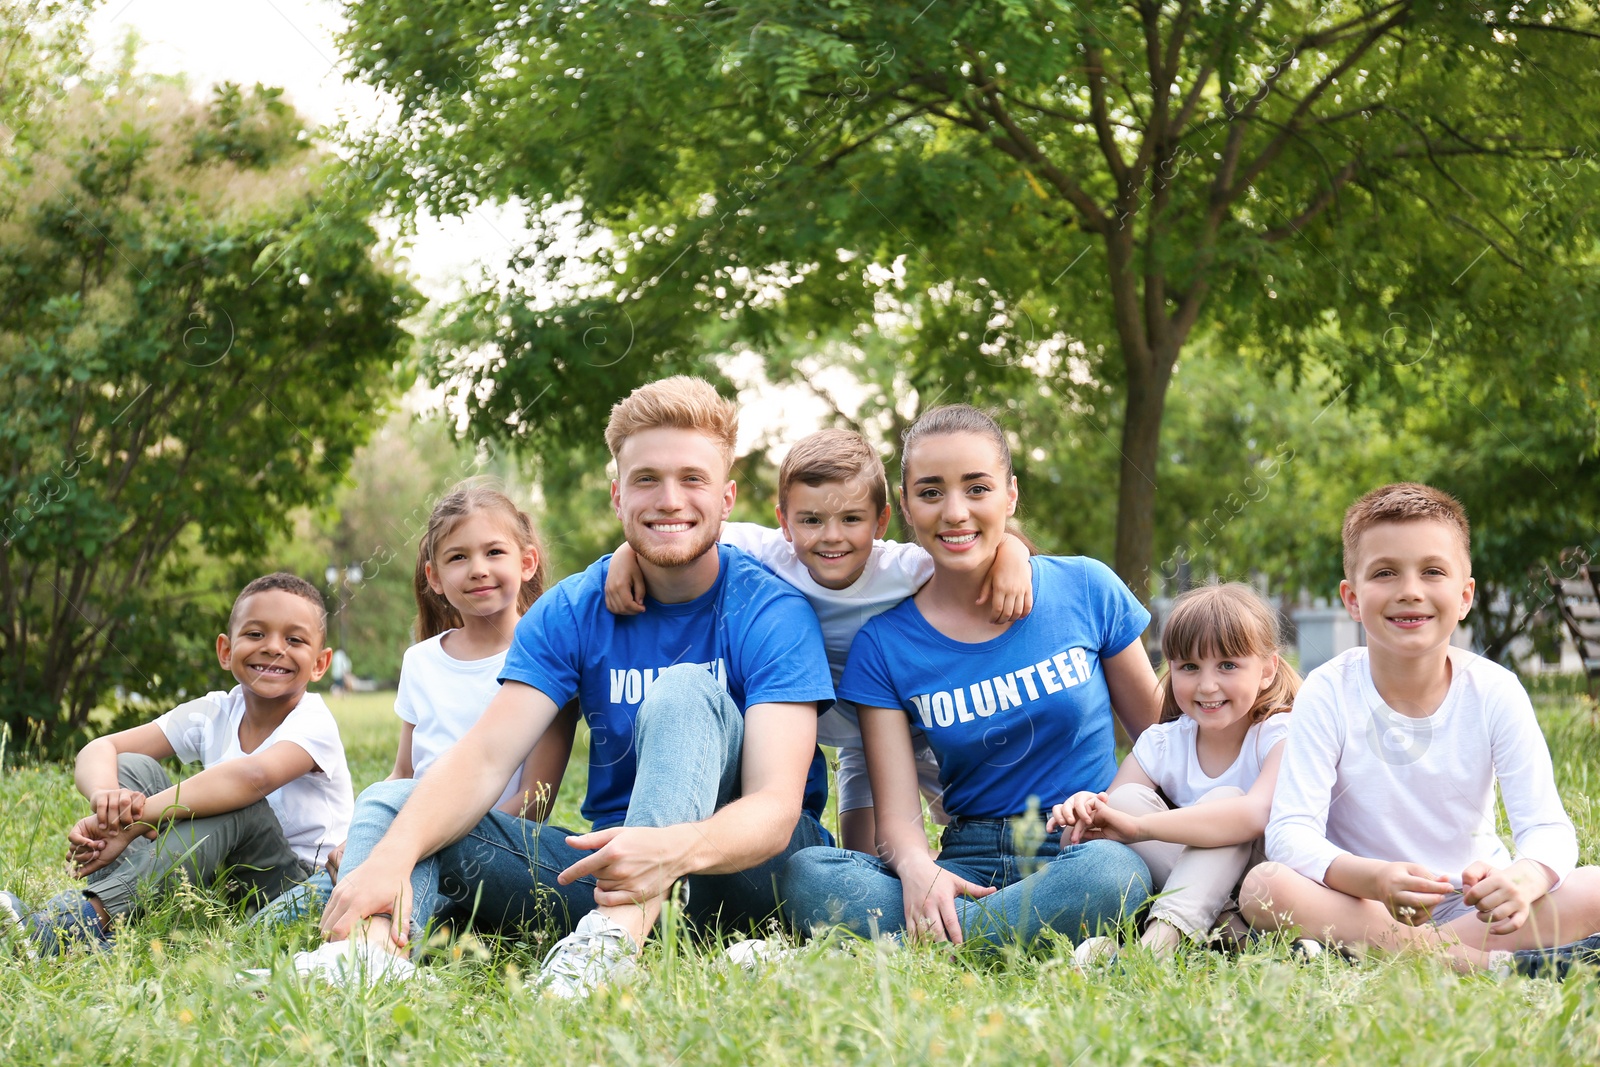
(1114, 175)
(194, 339)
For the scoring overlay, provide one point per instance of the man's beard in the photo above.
(678, 555)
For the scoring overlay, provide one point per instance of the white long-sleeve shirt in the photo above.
(1362, 779)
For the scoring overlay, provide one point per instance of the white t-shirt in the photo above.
(313, 809)
(442, 698)
(1360, 778)
(1168, 755)
(893, 572)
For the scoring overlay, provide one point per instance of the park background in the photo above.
(274, 275)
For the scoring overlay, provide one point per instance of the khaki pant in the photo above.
(248, 843)
(1196, 884)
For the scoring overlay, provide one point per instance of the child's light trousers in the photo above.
(1196, 884)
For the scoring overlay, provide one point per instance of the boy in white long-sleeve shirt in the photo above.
(1383, 823)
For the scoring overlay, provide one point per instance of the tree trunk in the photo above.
(1136, 482)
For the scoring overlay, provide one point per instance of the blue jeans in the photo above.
(374, 813)
(689, 739)
(1074, 891)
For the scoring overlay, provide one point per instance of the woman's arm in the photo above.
(1135, 693)
(927, 890)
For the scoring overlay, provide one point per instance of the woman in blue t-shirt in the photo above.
(1019, 714)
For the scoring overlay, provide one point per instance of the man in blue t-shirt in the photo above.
(702, 712)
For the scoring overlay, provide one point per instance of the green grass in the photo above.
(165, 994)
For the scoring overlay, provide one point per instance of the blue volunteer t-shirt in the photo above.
(755, 634)
(1026, 714)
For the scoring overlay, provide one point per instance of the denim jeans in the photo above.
(689, 739)
(1075, 891)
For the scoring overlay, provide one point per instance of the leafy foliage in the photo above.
(194, 338)
(1121, 177)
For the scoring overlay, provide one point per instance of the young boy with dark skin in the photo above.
(273, 798)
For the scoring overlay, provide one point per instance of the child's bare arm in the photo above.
(1009, 583)
(1079, 810)
(96, 772)
(222, 788)
(1503, 896)
(544, 768)
(230, 785)
(1214, 825)
(403, 765)
(625, 587)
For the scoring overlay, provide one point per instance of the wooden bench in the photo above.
(1578, 600)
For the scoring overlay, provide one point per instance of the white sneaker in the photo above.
(598, 952)
(347, 963)
(14, 925)
(755, 953)
(1094, 952)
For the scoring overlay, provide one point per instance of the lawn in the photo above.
(166, 994)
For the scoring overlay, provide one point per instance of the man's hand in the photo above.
(630, 864)
(625, 587)
(1503, 897)
(116, 808)
(1074, 816)
(1410, 891)
(374, 888)
(930, 892)
(92, 847)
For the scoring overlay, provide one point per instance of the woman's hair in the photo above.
(953, 418)
(1225, 620)
(435, 614)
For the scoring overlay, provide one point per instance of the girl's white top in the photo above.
(1362, 779)
(442, 698)
(1168, 755)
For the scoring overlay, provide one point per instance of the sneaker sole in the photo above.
(14, 920)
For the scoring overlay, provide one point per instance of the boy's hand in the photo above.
(1503, 897)
(93, 847)
(1009, 583)
(1076, 812)
(1410, 891)
(624, 583)
(116, 808)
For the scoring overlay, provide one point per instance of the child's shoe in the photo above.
(1309, 949)
(345, 964)
(68, 919)
(14, 927)
(1094, 952)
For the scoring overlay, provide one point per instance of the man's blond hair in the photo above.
(681, 403)
(1403, 502)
